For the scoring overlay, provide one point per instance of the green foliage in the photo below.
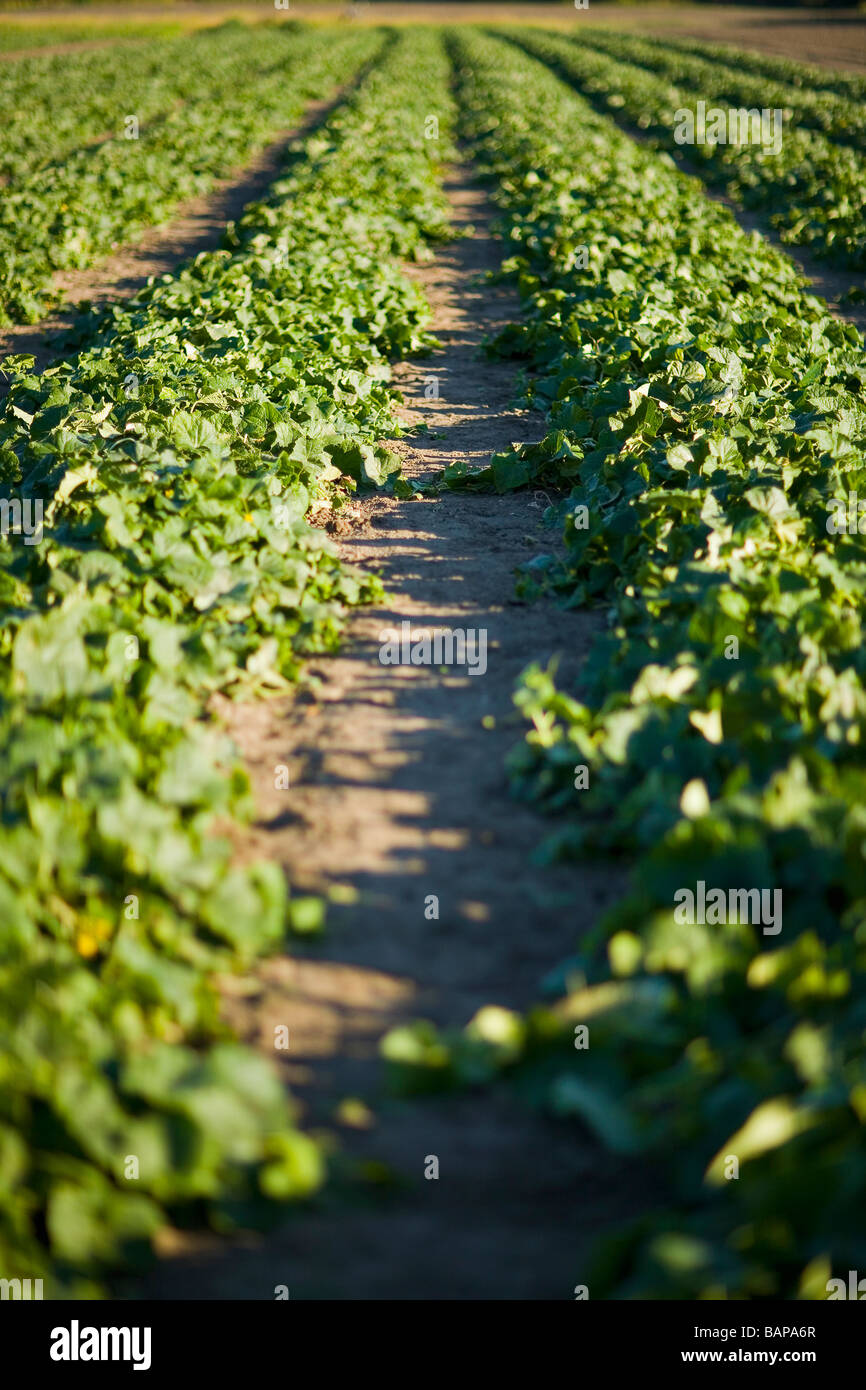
(77, 186)
(789, 70)
(176, 457)
(703, 410)
(813, 190)
(722, 80)
(19, 35)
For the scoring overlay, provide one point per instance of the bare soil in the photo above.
(835, 38)
(828, 37)
(398, 793)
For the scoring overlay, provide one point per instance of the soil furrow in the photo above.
(397, 796)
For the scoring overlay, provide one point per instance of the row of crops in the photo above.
(156, 122)
(153, 124)
(701, 416)
(838, 114)
(812, 188)
(705, 415)
(171, 465)
(23, 35)
(793, 73)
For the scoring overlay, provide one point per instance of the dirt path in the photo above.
(398, 793)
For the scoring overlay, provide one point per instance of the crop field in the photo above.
(432, 690)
